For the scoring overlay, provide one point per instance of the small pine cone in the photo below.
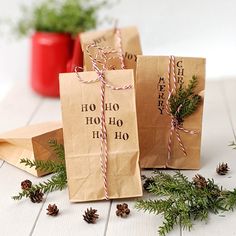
(199, 181)
(147, 183)
(222, 168)
(26, 184)
(36, 196)
(52, 210)
(122, 210)
(90, 216)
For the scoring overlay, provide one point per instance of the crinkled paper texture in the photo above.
(84, 174)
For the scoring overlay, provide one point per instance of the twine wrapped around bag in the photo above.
(117, 32)
(176, 125)
(100, 65)
(125, 40)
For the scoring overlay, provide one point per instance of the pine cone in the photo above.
(90, 216)
(122, 210)
(147, 183)
(199, 181)
(26, 184)
(36, 196)
(52, 210)
(222, 168)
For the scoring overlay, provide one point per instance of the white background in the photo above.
(204, 28)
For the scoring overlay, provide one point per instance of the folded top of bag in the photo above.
(31, 130)
(30, 142)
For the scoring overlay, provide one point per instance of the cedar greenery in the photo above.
(179, 201)
(184, 102)
(233, 144)
(57, 182)
(61, 16)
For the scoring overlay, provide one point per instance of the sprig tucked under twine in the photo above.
(100, 65)
(189, 101)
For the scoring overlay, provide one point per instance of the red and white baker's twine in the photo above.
(175, 126)
(101, 59)
(119, 47)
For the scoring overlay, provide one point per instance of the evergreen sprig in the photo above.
(185, 102)
(47, 166)
(61, 16)
(233, 144)
(181, 202)
(58, 149)
(57, 182)
(24, 193)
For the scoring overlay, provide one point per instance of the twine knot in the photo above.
(176, 123)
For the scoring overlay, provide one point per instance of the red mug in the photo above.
(51, 54)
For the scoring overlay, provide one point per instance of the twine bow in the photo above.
(176, 125)
(100, 66)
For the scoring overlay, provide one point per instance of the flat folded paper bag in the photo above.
(154, 123)
(130, 45)
(30, 142)
(81, 123)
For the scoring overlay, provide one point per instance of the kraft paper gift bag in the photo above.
(167, 140)
(125, 40)
(30, 142)
(87, 175)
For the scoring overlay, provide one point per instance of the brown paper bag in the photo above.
(30, 142)
(81, 108)
(154, 123)
(130, 42)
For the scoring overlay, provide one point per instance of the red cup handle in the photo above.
(77, 58)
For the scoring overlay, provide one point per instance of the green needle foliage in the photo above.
(61, 16)
(185, 102)
(57, 182)
(181, 201)
(49, 166)
(233, 144)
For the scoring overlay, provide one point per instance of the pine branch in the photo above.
(55, 183)
(185, 102)
(191, 86)
(233, 144)
(180, 200)
(168, 184)
(58, 149)
(229, 199)
(48, 166)
(24, 193)
(58, 181)
(167, 226)
(154, 206)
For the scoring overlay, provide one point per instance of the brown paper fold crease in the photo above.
(30, 142)
(84, 174)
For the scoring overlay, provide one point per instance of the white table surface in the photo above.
(22, 107)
